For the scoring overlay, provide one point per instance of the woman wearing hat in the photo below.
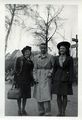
(62, 75)
(23, 78)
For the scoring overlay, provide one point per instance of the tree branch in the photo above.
(21, 7)
(40, 35)
(53, 32)
(55, 15)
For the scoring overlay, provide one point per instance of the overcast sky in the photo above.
(19, 38)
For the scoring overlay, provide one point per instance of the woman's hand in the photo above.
(13, 84)
(34, 83)
(49, 75)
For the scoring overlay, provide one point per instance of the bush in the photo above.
(76, 70)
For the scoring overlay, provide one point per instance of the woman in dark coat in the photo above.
(23, 78)
(62, 75)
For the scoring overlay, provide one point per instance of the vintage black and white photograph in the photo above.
(41, 60)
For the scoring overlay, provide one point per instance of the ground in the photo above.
(31, 106)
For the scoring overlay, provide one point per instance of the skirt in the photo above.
(25, 90)
(62, 88)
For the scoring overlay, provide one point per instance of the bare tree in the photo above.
(15, 11)
(46, 27)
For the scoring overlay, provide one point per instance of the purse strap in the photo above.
(13, 86)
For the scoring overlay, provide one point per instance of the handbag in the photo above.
(14, 93)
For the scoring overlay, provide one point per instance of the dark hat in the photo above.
(26, 48)
(63, 43)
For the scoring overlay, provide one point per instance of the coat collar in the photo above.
(43, 56)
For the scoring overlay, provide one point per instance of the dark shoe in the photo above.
(24, 113)
(48, 114)
(41, 114)
(63, 114)
(59, 114)
(19, 113)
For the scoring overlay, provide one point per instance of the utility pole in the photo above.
(75, 45)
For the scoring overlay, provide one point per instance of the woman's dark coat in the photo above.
(62, 77)
(24, 76)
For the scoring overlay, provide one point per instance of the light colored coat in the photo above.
(42, 73)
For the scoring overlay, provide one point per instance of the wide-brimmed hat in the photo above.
(63, 43)
(26, 48)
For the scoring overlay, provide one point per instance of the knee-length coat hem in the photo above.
(63, 77)
(43, 68)
(23, 76)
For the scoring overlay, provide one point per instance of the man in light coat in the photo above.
(42, 73)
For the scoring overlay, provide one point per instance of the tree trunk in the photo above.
(10, 26)
(47, 37)
(46, 44)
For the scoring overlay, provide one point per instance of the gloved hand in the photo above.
(34, 83)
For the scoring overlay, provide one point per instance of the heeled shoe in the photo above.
(63, 114)
(41, 114)
(59, 114)
(19, 113)
(47, 114)
(24, 113)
